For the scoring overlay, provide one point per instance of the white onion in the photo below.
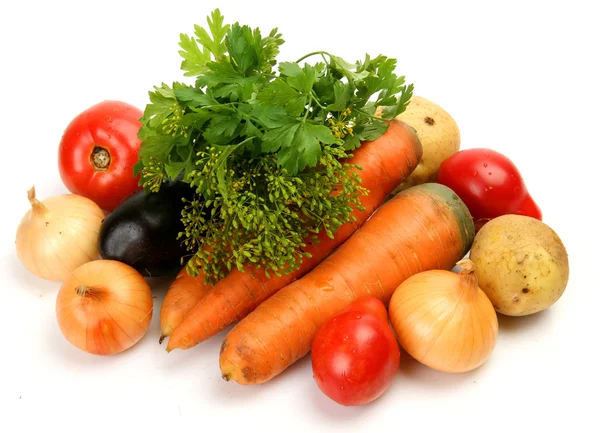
(58, 235)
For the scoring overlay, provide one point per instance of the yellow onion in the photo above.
(444, 320)
(58, 235)
(104, 307)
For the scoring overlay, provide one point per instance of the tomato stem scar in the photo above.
(100, 158)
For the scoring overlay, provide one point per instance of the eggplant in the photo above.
(142, 231)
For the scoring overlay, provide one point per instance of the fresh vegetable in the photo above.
(183, 294)
(355, 355)
(264, 143)
(367, 305)
(104, 307)
(439, 134)
(58, 235)
(97, 153)
(521, 263)
(444, 320)
(142, 232)
(424, 227)
(489, 183)
(386, 161)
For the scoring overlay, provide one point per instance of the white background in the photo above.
(519, 77)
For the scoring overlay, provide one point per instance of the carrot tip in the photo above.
(160, 340)
(227, 377)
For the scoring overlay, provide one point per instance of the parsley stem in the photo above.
(314, 53)
(307, 111)
(369, 115)
(229, 105)
(314, 97)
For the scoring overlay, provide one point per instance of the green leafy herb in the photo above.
(263, 144)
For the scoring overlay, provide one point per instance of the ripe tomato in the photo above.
(355, 355)
(368, 304)
(97, 153)
(488, 183)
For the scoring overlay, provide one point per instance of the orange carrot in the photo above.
(424, 227)
(385, 163)
(183, 293)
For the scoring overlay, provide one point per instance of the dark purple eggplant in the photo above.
(142, 231)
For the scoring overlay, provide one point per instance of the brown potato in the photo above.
(439, 135)
(521, 264)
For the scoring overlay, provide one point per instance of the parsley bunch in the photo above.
(264, 144)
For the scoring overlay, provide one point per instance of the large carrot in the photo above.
(424, 227)
(385, 163)
(183, 293)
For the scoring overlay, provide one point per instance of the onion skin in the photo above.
(58, 235)
(444, 320)
(104, 307)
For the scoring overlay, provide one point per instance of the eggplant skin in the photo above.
(142, 231)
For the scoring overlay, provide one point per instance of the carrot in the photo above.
(385, 163)
(424, 227)
(183, 293)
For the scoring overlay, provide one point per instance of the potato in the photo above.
(439, 135)
(521, 264)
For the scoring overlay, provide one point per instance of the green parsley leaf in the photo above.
(241, 45)
(267, 50)
(218, 31)
(175, 168)
(226, 82)
(270, 116)
(251, 130)
(194, 97)
(342, 93)
(160, 146)
(347, 69)
(290, 69)
(305, 80)
(162, 100)
(308, 140)
(400, 106)
(372, 131)
(194, 120)
(352, 142)
(279, 92)
(194, 58)
(222, 128)
(282, 136)
(298, 144)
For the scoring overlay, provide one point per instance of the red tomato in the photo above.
(368, 304)
(97, 153)
(355, 355)
(489, 184)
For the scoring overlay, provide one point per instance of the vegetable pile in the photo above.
(318, 207)
(263, 143)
